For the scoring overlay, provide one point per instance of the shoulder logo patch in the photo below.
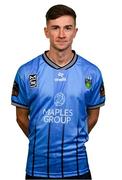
(15, 90)
(102, 90)
(88, 82)
(33, 80)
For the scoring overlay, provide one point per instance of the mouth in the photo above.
(61, 41)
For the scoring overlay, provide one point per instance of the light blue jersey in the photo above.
(58, 99)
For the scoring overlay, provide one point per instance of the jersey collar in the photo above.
(52, 64)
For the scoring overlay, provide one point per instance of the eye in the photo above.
(55, 27)
(68, 27)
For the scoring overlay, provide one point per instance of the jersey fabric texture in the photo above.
(58, 99)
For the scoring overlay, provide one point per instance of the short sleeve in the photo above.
(97, 93)
(19, 96)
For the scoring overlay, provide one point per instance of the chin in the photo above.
(62, 48)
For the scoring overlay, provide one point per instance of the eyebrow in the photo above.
(68, 25)
(64, 26)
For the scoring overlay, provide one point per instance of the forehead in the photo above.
(62, 21)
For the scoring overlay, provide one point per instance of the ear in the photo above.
(76, 30)
(46, 32)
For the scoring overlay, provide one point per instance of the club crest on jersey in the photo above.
(88, 82)
(33, 80)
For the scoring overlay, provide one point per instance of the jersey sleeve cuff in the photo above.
(19, 105)
(96, 106)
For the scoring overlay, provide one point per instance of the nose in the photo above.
(61, 33)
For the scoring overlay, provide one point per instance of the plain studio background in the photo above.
(99, 40)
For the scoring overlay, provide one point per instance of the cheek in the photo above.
(51, 35)
(74, 34)
(52, 39)
(71, 37)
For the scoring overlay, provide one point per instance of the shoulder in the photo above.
(87, 66)
(31, 66)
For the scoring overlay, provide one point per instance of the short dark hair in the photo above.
(60, 10)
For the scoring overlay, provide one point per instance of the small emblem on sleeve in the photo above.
(33, 80)
(102, 90)
(15, 90)
(88, 82)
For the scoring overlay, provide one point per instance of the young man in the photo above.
(57, 97)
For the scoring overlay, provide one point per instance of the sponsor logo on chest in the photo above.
(60, 77)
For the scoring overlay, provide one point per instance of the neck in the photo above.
(60, 58)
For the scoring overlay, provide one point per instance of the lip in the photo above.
(61, 41)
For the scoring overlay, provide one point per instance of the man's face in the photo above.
(61, 32)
